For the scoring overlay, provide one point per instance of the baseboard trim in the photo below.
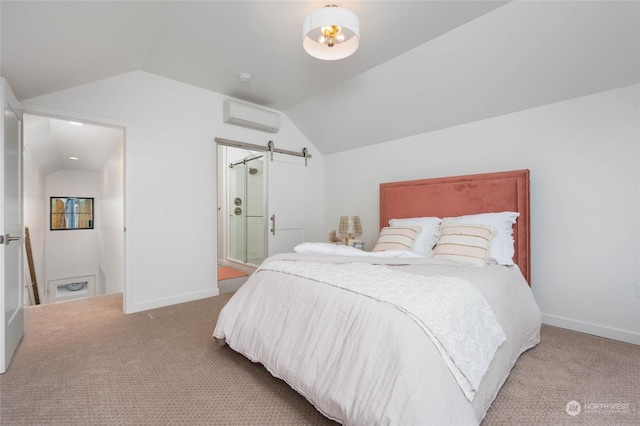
(168, 301)
(595, 329)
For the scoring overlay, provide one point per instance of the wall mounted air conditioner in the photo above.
(249, 116)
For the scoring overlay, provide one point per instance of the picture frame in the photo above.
(71, 213)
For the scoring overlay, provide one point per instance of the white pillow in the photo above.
(396, 238)
(502, 248)
(428, 236)
(464, 244)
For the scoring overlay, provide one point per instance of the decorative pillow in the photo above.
(397, 238)
(502, 250)
(428, 236)
(464, 244)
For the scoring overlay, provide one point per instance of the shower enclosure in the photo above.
(246, 211)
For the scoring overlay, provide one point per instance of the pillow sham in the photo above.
(464, 244)
(502, 248)
(428, 236)
(397, 238)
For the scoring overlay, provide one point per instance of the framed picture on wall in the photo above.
(69, 213)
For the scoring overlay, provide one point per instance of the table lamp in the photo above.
(351, 227)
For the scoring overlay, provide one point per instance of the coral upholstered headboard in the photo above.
(464, 195)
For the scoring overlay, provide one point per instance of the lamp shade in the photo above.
(350, 225)
(331, 33)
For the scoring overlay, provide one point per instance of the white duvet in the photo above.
(363, 361)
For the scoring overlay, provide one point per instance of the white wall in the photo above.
(34, 219)
(71, 254)
(170, 166)
(110, 223)
(583, 154)
(584, 157)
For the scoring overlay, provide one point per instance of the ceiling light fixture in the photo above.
(73, 158)
(331, 33)
(75, 123)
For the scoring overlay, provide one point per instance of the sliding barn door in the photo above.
(287, 185)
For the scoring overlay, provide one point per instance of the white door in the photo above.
(287, 184)
(11, 233)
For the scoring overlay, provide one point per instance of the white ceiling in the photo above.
(207, 43)
(421, 65)
(51, 142)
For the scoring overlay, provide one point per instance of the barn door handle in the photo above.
(273, 224)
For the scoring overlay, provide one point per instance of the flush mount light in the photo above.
(331, 33)
(75, 123)
(73, 158)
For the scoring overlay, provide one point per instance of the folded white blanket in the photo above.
(453, 313)
(342, 250)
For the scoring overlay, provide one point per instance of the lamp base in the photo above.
(353, 242)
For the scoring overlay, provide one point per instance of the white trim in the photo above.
(590, 328)
(168, 301)
(30, 107)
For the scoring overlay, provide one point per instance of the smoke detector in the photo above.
(244, 77)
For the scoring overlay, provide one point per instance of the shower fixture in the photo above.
(253, 171)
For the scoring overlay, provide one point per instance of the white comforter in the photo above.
(363, 362)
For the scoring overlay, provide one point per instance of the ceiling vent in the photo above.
(249, 116)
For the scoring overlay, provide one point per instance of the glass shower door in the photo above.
(246, 211)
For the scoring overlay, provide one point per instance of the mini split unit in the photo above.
(250, 116)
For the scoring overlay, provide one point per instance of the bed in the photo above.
(401, 336)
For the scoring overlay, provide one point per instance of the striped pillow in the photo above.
(397, 238)
(464, 244)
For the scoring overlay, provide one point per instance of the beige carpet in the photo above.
(86, 363)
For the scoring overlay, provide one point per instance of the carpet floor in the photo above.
(86, 363)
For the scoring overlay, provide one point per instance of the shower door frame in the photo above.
(246, 203)
(224, 211)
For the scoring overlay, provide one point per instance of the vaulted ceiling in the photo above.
(207, 43)
(421, 65)
(63, 145)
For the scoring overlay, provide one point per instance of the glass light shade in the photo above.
(318, 46)
(350, 225)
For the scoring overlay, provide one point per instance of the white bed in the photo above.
(346, 332)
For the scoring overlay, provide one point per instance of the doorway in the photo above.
(68, 160)
(246, 223)
(241, 215)
(242, 200)
(262, 202)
